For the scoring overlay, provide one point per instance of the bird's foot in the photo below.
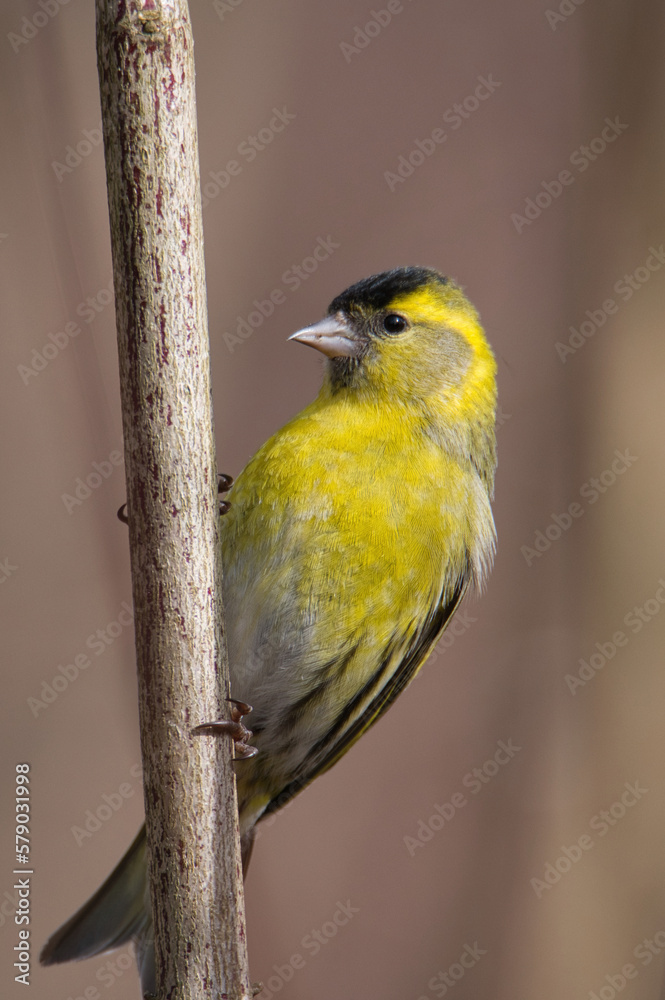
(234, 728)
(224, 484)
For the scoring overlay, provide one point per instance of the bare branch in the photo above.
(146, 72)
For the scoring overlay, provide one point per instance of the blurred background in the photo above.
(501, 832)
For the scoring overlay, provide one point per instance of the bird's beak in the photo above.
(333, 336)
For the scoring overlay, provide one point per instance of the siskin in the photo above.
(351, 538)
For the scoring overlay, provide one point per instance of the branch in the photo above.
(146, 73)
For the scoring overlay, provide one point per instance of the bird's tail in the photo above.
(119, 911)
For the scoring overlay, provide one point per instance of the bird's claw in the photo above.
(239, 709)
(234, 728)
(224, 484)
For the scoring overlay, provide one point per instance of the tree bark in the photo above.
(146, 73)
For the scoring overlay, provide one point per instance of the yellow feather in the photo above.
(352, 536)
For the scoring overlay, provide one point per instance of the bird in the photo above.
(347, 543)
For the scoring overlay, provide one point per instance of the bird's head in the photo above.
(409, 337)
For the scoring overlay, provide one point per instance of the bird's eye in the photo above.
(394, 323)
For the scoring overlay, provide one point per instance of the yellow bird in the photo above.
(351, 538)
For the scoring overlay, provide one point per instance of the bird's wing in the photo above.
(386, 682)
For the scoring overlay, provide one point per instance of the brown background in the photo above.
(504, 677)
